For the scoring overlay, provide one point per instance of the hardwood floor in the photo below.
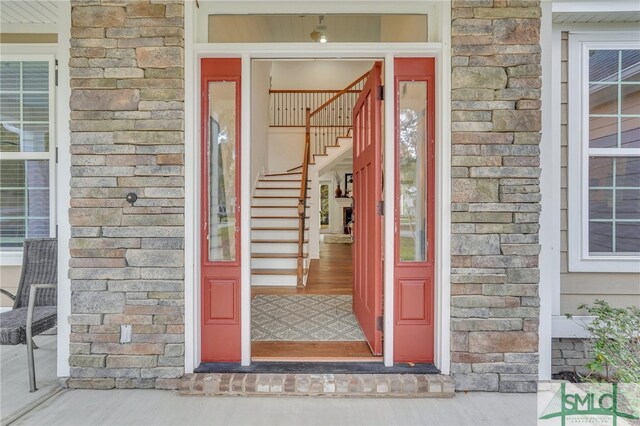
(332, 274)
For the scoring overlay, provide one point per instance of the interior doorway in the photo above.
(316, 320)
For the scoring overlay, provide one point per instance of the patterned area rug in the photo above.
(304, 319)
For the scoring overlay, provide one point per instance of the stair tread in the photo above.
(276, 255)
(283, 174)
(277, 196)
(264, 271)
(277, 217)
(278, 241)
(281, 180)
(282, 187)
(276, 207)
(261, 228)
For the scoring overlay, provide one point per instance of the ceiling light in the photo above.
(319, 34)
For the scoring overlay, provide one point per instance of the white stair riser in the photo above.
(292, 176)
(277, 192)
(274, 223)
(276, 247)
(275, 201)
(274, 280)
(276, 235)
(279, 184)
(274, 263)
(257, 211)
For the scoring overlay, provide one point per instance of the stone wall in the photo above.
(127, 261)
(569, 354)
(496, 123)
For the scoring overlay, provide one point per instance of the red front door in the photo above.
(367, 199)
(220, 209)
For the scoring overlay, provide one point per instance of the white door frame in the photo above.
(379, 51)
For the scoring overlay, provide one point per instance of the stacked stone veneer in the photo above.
(127, 267)
(496, 80)
(569, 354)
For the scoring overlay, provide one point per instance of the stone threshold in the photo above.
(326, 385)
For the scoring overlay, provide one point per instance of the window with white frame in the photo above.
(604, 154)
(27, 150)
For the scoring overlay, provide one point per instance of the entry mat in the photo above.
(314, 318)
(316, 368)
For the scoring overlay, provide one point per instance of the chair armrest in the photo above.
(8, 294)
(32, 303)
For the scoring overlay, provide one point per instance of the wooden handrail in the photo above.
(303, 197)
(305, 172)
(340, 93)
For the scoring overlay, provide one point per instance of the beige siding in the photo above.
(577, 288)
(9, 277)
(28, 38)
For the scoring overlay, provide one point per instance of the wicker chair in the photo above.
(34, 305)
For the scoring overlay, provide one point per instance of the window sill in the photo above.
(11, 258)
(609, 265)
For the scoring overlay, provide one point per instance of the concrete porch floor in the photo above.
(52, 405)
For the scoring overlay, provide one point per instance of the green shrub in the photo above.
(614, 342)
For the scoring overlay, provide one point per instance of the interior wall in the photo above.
(260, 83)
(335, 213)
(316, 74)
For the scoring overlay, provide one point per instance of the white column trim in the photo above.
(245, 212)
(549, 234)
(389, 196)
(63, 196)
(191, 191)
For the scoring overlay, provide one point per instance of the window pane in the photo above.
(35, 76)
(603, 65)
(366, 27)
(600, 237)
(630, 136)
(24, 206)
(600, 172)
(603, 132)
(628, 237)
(412, 159)
(603, 99)
(630, 99)
(628, 172)
(631, 65)
(600, 204)
(24, 104)
(9, 76)
(628, 204)
(9, 137)
(222, 171)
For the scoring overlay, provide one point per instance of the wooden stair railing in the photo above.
(326, 118)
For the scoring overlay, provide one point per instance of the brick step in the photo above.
(281, 384)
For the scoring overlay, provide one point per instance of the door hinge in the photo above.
(56, 155)
(381, 208)
(379, 323)
(56, 72)
(381, 93)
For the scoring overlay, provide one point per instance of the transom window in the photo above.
(604, 155)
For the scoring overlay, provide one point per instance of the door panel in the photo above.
(414, 210)
(367, 193)
(220, 209)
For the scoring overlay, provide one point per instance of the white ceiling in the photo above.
(28, 12)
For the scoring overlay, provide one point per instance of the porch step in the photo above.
(324, 385)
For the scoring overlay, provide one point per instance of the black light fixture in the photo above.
(319, 34)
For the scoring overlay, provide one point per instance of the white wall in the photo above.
(317, 74)
(260, 82)
(286, 148)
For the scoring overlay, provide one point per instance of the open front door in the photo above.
(367, 199)
(220, 209)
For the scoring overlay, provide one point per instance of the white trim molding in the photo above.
(563, 327)
(580, 260)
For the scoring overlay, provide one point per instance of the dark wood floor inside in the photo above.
(332, 274)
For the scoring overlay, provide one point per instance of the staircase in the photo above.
(274, 231)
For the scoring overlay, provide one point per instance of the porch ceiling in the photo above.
(28, 12)
(595, 17)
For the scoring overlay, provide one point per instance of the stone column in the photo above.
(495, 194)
(127, 260)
